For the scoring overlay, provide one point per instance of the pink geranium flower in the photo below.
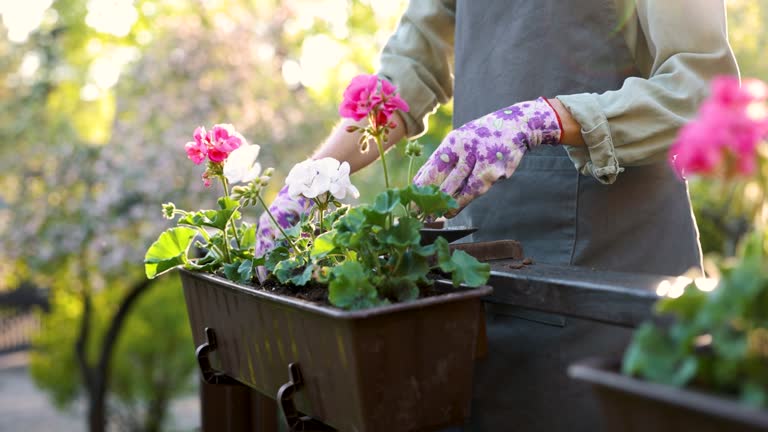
(358, 98)
(369, 95)
(196, 151)
(724, 136)
(223, 139)
(216, 144)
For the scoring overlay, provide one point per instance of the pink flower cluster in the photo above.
(723, 139)
(215, 144)
(370, 95)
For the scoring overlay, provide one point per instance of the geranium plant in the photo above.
(717, 339)
(367, 255)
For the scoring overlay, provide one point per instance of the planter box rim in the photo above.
(601, 371)
(460, 294)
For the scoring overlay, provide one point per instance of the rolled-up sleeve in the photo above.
(418, 59)
(686, 45)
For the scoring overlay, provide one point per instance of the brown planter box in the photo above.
(402, 367)
(634, 405)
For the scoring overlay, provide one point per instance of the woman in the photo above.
(579, 175)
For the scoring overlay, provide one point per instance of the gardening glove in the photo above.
(475, 156)
(287, 212)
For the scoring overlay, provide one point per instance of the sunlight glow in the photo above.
(115, 17)
(29, 65)
(334, 12)
(676, 287)
(706, 284)
(663, 288)
(320, 56)
(105, 71)
(291, 73)
(22, 18)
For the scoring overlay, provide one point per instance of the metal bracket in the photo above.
(295, 421)
(211, 375)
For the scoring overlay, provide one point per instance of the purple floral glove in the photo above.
(287, 212)
(475, 156)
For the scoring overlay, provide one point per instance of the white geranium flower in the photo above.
(341, 185)
(306, 179)
(313, 178)
(241, 165)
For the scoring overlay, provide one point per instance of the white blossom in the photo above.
(341, 185)
(313, 178)
(241, 165)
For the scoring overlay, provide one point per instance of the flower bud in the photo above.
(168, 210)
(268, 172)
(352, 128)
(413, 149)
(264, 180)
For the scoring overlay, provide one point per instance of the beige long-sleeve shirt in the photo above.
(677, 45)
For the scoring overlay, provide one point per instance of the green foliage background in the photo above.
(85, 164)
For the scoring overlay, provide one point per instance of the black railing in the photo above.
(19, 317)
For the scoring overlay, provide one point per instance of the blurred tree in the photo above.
(108, 151)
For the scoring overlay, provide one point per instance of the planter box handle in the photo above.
(294, 420)
(211, 375)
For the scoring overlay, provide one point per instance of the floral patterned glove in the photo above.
(287, 212)
(475, 156)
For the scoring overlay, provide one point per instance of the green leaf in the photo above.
(350, 287)
(349, 229)
(405, 233)
(413, 267)
(386, 201)
(248, 238)
(210, 218)
(443, 250)
(467, 270)
(169, 251)
(686, 306)
(227, 203)
(293, 271)
(274, 257)
(399, 289)
(209, 263)
(323, 245)
(240, 272)
(463, 267)
(332, 217)
(301, 279)
(430, 200)
(652, 355)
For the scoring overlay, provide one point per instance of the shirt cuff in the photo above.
(598, 158)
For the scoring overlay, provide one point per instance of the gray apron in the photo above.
(514, 50)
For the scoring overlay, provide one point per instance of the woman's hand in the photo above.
(475, 156)
(287, 212)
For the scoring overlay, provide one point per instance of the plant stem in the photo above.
(321, 210)
(288, 239)
(410, 171)
(408, 182)
(224, 231)
(225, 184)
(380, 145)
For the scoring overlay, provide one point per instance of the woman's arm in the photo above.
(680, 46)
(418, 60)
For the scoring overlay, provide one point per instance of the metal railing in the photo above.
(19, 317)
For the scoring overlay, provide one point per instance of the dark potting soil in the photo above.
(312, 291)
(318, 293)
